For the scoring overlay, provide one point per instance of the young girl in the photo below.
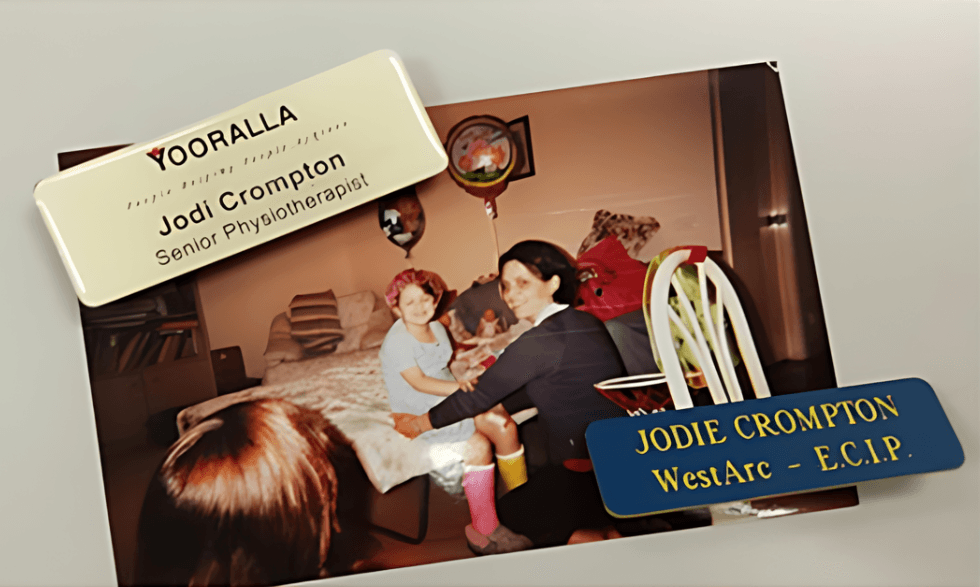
(415, 359)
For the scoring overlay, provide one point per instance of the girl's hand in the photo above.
(468, 385)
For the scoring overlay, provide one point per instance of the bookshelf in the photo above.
(147, 354)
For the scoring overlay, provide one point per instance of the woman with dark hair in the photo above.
(556, 363)
(246, 497)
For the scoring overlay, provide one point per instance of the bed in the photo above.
(348, 389)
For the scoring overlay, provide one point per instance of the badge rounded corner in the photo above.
(88, 300)
(922, 383)
(386, 53)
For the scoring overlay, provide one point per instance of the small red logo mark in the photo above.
(155, 152)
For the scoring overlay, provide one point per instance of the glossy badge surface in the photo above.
(147, 213)
(758, 448)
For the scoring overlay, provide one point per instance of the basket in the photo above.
(637, 394)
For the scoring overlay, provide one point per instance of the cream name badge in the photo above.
(237, 180)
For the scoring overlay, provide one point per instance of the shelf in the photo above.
(155, 375)
(145, 323)
(163, 368)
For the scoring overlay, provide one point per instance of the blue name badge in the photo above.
(759, 448)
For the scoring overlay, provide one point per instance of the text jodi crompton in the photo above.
(759, 425)
(230, 201)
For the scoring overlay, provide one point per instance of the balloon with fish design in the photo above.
(482, 156)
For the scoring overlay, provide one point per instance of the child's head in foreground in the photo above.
(245, 497)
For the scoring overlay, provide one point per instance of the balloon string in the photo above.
(496, 245)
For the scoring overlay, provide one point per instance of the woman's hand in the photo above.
(410, 425)
(404, 425)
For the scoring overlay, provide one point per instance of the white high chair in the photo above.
(638, 394)
(660, 315)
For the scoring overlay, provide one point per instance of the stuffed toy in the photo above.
(611, 282)
(471, 305)
(481, 326)
(475, 354)
(633, 232)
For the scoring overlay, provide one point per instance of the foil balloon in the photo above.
(402, 219)
(482, 156)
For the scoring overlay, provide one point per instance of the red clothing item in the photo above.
(616, 283)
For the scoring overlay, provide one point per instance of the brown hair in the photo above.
(245, 497)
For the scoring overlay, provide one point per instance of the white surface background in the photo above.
(883, 107)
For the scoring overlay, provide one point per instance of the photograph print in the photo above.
(410, 382)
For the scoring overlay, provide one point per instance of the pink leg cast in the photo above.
(478, 485)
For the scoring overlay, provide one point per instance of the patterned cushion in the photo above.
(306, 313)
(315, 322)
(325, 298)
(327, 346)
(317, 328)
(312, 341)
(633, 232)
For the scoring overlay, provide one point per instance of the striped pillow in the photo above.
(308, 313)
(327, 346)
(315, 322)
(309, 342)
(317, 299)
